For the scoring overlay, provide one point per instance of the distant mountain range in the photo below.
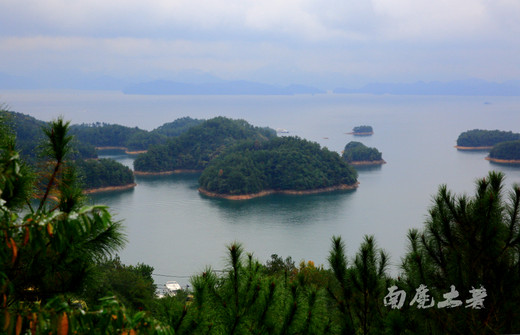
(217, 88)
(205, 84)
(460, 87)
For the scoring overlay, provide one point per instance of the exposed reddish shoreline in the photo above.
(125, 149)
(503, 161)
(473, 148)
(165, 173)
(379, 162)
(268, 192)
(110, 189)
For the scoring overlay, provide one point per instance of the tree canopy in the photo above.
(284, 163)
(509, 150)
(195, 148)
(104, 173)
(364, 129)
(485, 138)
(48, 250)
(358, 152)
(30, 133)
(468, 245)
(134, 139)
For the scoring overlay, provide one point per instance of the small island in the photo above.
(362, 131)
(479, 139)
(288, 165)
(356, 153)
(505, 153)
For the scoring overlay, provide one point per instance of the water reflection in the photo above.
(368, 168)
(281, 209)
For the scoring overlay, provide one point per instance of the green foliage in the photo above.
(50, 252)
(485, 138)
(133, 285)
(285, 163)
(59, 316)
(358, 291)
(134, 139)
(106, 135)
(195, 148)
(362, 129)
(506, 150)
(277, 265)
(16, 177)
(358, 152)
(177, 127)
(246, 301)
(29, 135)
(469, 242)
(104, 173)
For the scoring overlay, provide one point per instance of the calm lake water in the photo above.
(179, 232)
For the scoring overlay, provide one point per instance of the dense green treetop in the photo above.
(357, 152)
(195, 148)
(506, 150)
(362, 129)
(177, 127)
(104, 173)
(29, 134)
(284, 163)
(468, 243)
(114, 135)
(134, 139)
(485, 138)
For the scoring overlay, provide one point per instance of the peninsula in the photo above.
(103, 175)
(287, 165)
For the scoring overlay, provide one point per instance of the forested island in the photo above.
(281, 165)
(192, 150)
(131, 140)
(362, 131)
(478, 139)
(357, 153)
(505, 152)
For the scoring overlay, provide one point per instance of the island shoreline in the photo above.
(364, 163)
(109, 189)
(269, 192)
(503, 161)
(458, 147)
(125, 149)
(165, 173)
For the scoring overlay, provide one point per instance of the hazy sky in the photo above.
(325, 42)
